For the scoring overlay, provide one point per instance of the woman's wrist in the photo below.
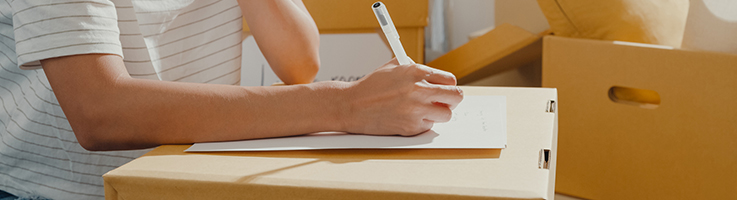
(334, 98)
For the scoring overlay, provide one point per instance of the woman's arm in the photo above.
(286, 35)
(109, 110)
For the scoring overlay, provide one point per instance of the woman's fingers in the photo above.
(438, 113)
(451, 96)
(436, 76)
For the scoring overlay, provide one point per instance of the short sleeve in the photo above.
(46, 29)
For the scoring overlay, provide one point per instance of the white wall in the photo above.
(523, 13)
(466, 16)
(457, 19)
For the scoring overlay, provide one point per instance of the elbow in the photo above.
(303, 74)
(95, 136)
(96, 128)
(89, 140)
(89, 143)
(307, 74)
(89, 131)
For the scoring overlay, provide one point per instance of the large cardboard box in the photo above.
(523, 170)
(682, 146)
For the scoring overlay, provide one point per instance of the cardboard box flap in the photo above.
(504, 48)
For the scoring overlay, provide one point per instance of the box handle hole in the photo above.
(643, 98)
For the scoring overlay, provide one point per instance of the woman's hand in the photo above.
(400, 100)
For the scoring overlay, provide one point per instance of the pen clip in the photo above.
(382, 19)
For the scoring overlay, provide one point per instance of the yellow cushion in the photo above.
(644, 21)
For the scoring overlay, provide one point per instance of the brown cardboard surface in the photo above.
(683, 149)
(356, 16)
(512, 173)
(504, 48)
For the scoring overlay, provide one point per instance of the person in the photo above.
(81, 77)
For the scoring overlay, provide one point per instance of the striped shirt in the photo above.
(171, 40)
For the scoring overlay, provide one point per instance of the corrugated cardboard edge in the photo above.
(504, 48)
(159, 188)
(110, 192)
(554, 148)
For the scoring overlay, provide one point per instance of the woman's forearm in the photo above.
(108, 110)
(190, 112)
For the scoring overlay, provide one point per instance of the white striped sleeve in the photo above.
(47, 29)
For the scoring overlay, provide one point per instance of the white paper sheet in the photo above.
(479, 122)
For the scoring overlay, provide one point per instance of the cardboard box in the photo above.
(356, 16)
(682, 146)
(504, 48)
(511, 173)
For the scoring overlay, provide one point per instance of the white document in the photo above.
(479, 122)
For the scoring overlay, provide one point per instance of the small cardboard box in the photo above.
(523, 170)
(680, 145)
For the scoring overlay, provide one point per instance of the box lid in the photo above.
(512, 173)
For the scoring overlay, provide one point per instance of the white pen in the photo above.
(390, 32)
